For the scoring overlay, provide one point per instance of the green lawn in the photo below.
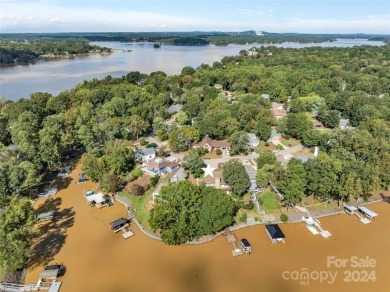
(262, 147)
(269, 201)
(138, 205)
(291, 142)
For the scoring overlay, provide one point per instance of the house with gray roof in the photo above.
(145, 154)
(174, 108)
(344, 124)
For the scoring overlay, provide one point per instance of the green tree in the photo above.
(182, 138)
(294, 184)
(295, 125)
(265, 157)
(235, 175)
(176, 212)
(217, 212)
(193, 163)
(239, 143)
(137, 126)
(16, 233)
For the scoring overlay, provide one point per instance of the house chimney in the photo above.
(217, 182)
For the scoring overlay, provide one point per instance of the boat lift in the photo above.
(315, 227)
(367, 214)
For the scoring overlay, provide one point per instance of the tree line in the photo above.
(12, 52)
(103, 118)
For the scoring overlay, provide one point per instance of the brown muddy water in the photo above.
(97, 260)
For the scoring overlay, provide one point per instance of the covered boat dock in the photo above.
(367, 212)
(45, 216)
(274, 232)
(121, 224)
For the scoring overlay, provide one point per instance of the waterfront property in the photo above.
(274, 233)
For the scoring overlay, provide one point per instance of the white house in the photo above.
(145, 154)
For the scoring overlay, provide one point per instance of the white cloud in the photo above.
(52, 18)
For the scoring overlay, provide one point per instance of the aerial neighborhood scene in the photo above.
(194, 146)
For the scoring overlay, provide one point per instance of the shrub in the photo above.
(279, 147)
(218, 151)
(284, 218)
(151, 145)
(143, 141)
(243, 217)
(266, 144)
(137, 172)
(247, 206)
(154, 180)
(137, 190)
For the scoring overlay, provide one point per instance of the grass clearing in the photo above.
(291, 142)
(139, 207)
(269, 201)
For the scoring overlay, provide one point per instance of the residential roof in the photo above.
(279, 112)
(146, 151)
(274, 134)
(12, 147)
(343, 123)
(179, 175)
(276, 106)
(174, 108)
(115, 224)
(211, 179)
(159, 163)
(213, 143)
(274, 231)
(253, 138)
(302, 158)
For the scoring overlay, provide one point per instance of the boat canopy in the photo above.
(368, 212)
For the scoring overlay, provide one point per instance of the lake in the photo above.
(99, 260)
(55, 76)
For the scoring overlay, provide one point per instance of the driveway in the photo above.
(290, 150)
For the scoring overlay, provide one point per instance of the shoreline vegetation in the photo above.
(22, 49)
(236, 226)
(109, 119)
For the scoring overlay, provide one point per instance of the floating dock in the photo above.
(315, 227)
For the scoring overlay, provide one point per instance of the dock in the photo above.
(315, 227)
(232, 239)
(352, 210)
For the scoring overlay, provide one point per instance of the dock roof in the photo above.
(117, 223)
(274, 231)
(368, 212)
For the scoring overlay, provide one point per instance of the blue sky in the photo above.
(306, 16)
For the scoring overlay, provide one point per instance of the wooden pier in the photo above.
(232, 239)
